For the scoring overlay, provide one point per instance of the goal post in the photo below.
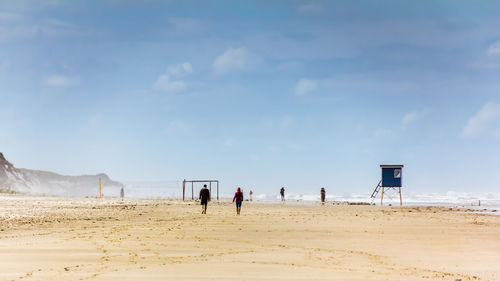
(184, 182)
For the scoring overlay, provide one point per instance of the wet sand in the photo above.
(43, 238)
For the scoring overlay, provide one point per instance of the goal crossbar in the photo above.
(216, 182)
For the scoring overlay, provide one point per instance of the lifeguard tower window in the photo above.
(397, 173)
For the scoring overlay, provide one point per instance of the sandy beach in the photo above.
(45, 238)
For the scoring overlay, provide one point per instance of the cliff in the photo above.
(43, 182)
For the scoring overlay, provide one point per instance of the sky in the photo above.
(258, 94)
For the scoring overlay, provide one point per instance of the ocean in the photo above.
(475, 200)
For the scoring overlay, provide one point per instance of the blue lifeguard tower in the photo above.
(392, 178)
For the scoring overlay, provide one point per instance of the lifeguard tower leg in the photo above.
(400, 198)
(382, 197)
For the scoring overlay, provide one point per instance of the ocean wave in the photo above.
(172, 189)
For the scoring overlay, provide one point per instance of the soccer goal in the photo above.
(209, 185)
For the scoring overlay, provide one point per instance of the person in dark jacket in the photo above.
(238, 197)
(323, 195)
(282, 193)
(204, 198)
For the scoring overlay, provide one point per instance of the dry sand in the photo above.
(90, 239)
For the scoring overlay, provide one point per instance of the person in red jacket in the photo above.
(238, 197)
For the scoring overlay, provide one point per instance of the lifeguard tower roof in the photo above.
(392, 166)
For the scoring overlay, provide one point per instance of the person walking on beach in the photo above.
(238, 197)
(204, 198)
(282, 193)
(251, 195)
(323, 195)
(122, 193)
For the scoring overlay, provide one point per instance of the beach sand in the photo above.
(44, 238)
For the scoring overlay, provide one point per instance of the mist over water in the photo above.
(173, 189)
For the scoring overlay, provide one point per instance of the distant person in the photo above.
(238, 197)
(251, 195)
(282, 193)
(323, 195)
(204, 198)
(122, 193)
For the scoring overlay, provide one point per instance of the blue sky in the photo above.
(255, 93)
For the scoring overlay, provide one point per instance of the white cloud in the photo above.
(490, 60)
(10, 17)
(274, 148)
(310, 7)
(494, 49)
(235, 59)
(169, 82)
(295, 146)
(487, 65)
(305, 86)
(482, 121)
(57, 80)
(178, 127)
(381, 132)
(275, 123)
(5, 65)
(229, 142)
(413, 116)
(14, 27)
(254, 157)
(284, 147)
(180, 69)
(183, 27)
(286, 121)
(164, 83)
(410, 117)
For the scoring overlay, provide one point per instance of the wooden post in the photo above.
(400, 198)
(100, 189)
(183, 189)
(382, 197)
(210, 184)
(192, 191)
(217, 190)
